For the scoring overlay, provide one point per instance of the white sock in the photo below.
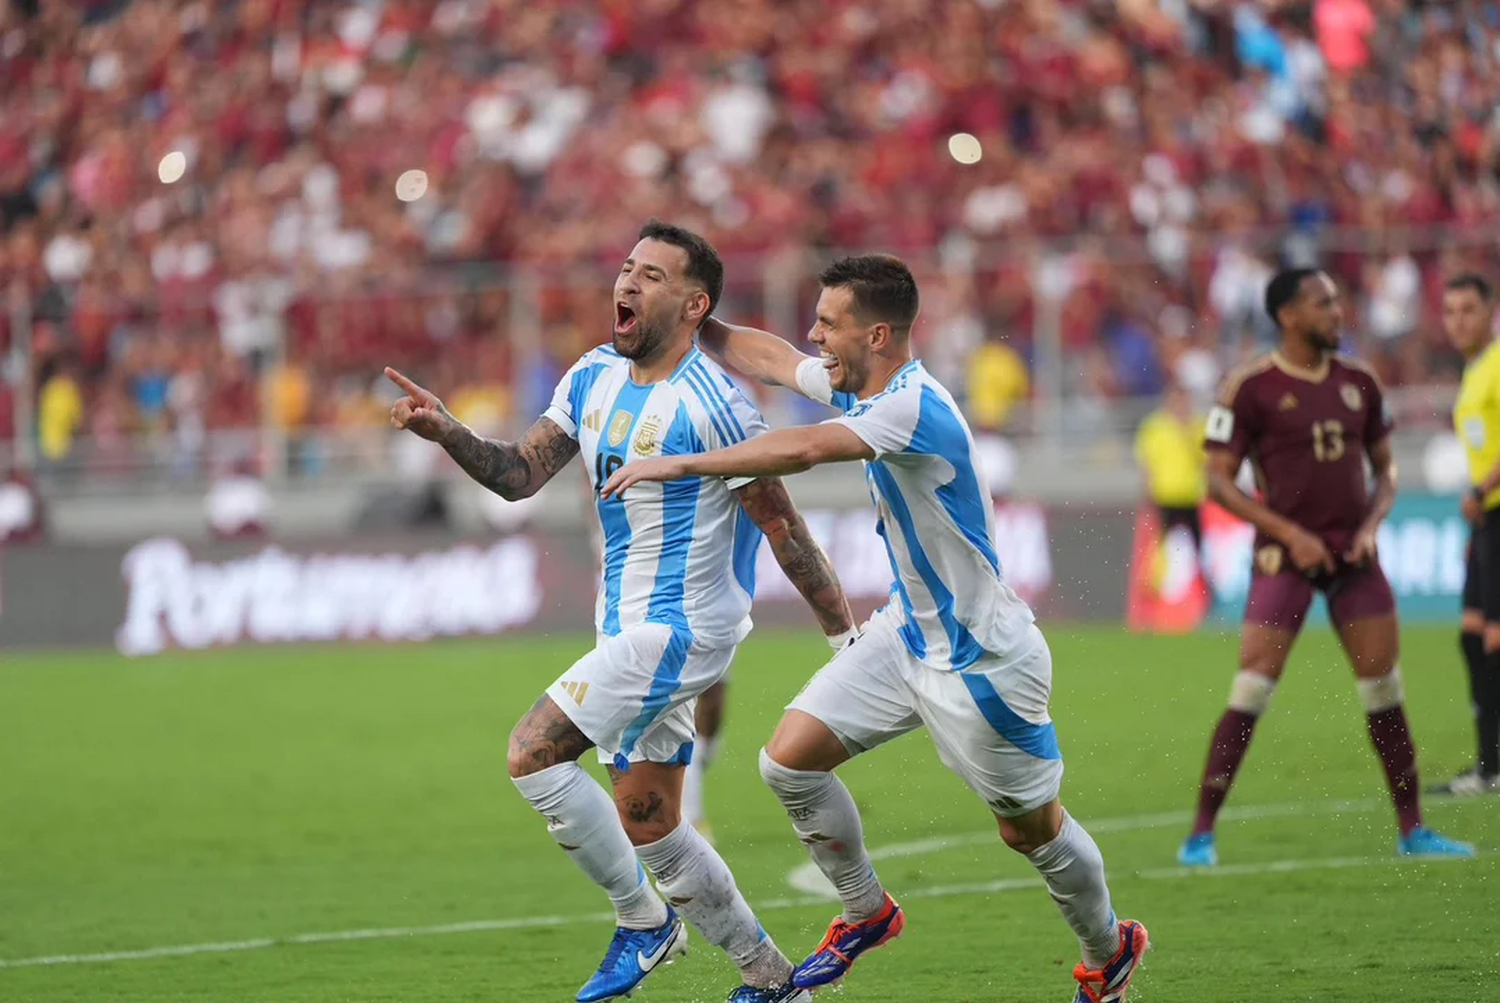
(582, 817)
(1073, 868)
(827, 822)
(692, 779)
(697, 882)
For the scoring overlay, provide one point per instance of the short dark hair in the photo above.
(1285, 286)
(704, 266)
(1471, 280)
(883, 287)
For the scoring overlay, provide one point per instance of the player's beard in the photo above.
(644, 342)
(1326, 342)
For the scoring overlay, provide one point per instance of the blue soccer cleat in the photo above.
(1422, 842)
(1110, 983)
(788, 993)
(845, 942)
(1198, 851)
(633, 955)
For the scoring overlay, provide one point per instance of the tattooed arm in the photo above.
(766, 501)
(513, 470)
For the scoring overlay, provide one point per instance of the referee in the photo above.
(1469, 320)
(1169, 448)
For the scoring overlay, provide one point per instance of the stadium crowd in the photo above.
(1145, 162)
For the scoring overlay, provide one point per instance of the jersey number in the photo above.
(605, 465)
(1328, 441)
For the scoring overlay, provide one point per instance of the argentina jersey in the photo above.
(680, 553)
(935, 516)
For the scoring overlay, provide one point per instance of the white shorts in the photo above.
(635, 694)
(990, 724)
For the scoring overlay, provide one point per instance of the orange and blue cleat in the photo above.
(844, 944)
(1110, 983)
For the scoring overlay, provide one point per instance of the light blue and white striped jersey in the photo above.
(935, 516)
(680, 553)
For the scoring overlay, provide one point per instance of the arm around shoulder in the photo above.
(760, 355)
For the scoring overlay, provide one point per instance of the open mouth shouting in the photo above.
(625, 318)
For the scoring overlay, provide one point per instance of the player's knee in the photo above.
(1030, 832)
(1381, 693)
(1251, 692)
(649, 819)
(784, 781)
(518, 759)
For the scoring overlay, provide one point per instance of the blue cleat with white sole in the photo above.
(1111, 983)
(788, 993)
(1422, 842)
(1198, 851)
(633, 955)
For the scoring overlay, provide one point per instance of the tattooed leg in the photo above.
(543, 738)
(649, 799)
(581, 817)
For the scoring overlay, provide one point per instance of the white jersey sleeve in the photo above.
(886, 422)
(814, 384)
(572, 391)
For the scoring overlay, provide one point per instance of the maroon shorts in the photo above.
(1281, 600)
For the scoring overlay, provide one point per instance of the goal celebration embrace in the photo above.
(749, 501)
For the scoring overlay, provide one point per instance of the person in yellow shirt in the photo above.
(1169, 448)
(1469, 321)
(59, 413)
(997, 381)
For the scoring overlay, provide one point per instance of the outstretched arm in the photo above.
(513, 470)
(760, 355)
(784, 451)
(766, 502)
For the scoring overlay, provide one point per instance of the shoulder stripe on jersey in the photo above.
(1361, 366)
(608, 350)
(1231, 385)
(687, 360)
(708, 408)
(695, 378)
(718, 393)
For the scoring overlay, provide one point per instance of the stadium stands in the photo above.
(1145, 164)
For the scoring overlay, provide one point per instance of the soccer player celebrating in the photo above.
(955, 649)
(1469, 319)
(1307, 419)
(678, 581)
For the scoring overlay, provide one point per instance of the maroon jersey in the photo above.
(1307, 436)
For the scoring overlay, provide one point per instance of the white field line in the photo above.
(806, 878)
(913, 848)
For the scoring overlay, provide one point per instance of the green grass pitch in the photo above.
(246, 798)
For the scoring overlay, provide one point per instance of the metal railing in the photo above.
(498, 339)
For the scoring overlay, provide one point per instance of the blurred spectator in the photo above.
(59, 413)
(180, 173)
(997, 381)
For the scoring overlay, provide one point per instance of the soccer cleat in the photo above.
(776, 994)
(1422, 842)
(633, 955)
(1469, 784)
(1110, 983)
(1198, 851)
(845, 942)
